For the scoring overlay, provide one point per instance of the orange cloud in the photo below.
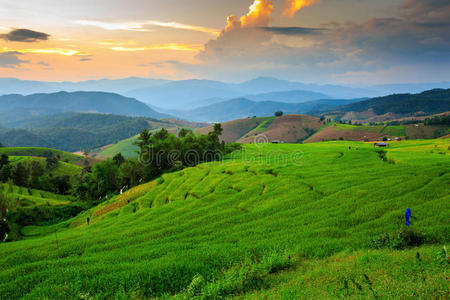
(65, 52)
(293, 6)
(141, 26)
(172, 46)
(258, 15)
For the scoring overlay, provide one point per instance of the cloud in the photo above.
(258, 15)
(143, 26)
(162, 63)
(295, 31)
(43, 63)
(60, 51)
(24, 35)
(171, 46)
(11, 60)
(418, 34)
(84, 59)
(293, 6)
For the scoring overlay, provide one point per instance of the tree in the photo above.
(143, 141)
(20, 175)
(86, 152)
(61, 183)
(37, 169)
(4, 160)
(385, 138)
(278, 113)
(4, 228)
(131, 172)
(162, 134)
(5, 173)
(1, 145)
(184, 132)
(218, 129)
(51, 162)
(119, 159)
(105, 177)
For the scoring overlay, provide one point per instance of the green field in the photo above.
(269, 222)
(125, 147)
(388, 130)
(41, 152)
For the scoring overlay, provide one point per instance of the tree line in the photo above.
(159, 152)
(35, 174)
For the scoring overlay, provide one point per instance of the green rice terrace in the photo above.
(287, 221)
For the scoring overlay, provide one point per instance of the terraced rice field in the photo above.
(270, 221)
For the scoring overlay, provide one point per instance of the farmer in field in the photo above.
(88, 220)
(408, 216)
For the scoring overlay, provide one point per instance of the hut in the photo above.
(381, 144)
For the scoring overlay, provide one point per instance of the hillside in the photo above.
(31, 206)
(128, 148)
(85, 130)
(347, 132)
(43, 152)
(395, 106)
(94, 102)
(273, 221)
(242, 108)
(287, 128)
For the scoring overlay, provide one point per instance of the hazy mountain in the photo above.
(288, 96)
(387, 89)
(242, 108)
(16, 107)
(433, 101)
(184, 94)
(26, 87)
(189, 94)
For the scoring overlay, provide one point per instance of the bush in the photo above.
(400, 239)
(248, 275)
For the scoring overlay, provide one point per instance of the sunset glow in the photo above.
(307, 40)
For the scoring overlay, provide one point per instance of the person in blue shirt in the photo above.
(408, 216)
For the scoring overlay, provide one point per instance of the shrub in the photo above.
(400, 239)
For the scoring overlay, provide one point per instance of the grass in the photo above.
(270, 221)
(34, 206)
(20, 196)
(388, 130)
(40, 152)
(125, 147)
(264, 125)
(394, 131)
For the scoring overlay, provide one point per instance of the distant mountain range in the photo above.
(189, 94)
(395, 106)
(120, 86)
(16, 107)
(242, 108)
(429, 102)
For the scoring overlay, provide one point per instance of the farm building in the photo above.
(381, 144)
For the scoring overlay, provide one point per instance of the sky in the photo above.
(355, 42)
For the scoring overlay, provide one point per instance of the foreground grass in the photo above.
(271, 221)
